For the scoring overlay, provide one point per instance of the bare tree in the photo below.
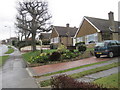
(33, 18)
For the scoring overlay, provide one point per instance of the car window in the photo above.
(113, 43)
(100, 44)
(118, 42)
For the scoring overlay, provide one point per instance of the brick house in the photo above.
(64, 35)
(96, 29)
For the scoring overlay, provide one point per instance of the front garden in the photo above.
(61, 54)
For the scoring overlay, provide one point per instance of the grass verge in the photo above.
(3, 59)
(109, 81)
(87, 72)
(10, 50)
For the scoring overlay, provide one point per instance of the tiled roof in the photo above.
(46, 35)
(66, 31)
(103, 24)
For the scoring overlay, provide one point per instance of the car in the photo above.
(110, 48)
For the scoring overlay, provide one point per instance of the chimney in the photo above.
(111, 21)
(67, 25)
(112, 26)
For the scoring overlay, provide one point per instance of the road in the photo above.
(3, 49)
(14, 73)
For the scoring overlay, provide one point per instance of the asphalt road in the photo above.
(14, 73)
(3, 49)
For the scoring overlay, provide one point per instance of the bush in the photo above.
(21, 44)
(55, 56)
(80, 43)
(61, 48)
(42, 58)
(68, 55)
(82, 48)
(63, 81)
(71, 48)
(46, 42)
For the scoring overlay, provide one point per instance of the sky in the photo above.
(62, 11)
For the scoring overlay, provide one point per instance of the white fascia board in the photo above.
(92, 24)
(79, 27)
(56, 31)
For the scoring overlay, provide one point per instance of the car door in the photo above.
(114, 47)
(118, 43)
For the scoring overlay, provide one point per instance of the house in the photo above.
(3, 42)
(63, 35)
(96, 29)
(45, 37)
(11, 39)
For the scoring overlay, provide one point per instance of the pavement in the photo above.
(92, 77)
(14, 73)
(41, 70)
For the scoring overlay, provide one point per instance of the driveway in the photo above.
(14, 73)
(40, 70)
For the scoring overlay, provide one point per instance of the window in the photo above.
(52, 40)
(79, 39)
(56, 40)
(91, 38)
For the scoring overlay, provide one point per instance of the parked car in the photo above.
(110, 48)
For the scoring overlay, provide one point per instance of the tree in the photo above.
(33, 18)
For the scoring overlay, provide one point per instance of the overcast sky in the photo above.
(62, 11)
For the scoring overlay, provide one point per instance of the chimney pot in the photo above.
(67, 25)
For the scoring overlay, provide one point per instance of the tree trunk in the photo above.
(33, 42)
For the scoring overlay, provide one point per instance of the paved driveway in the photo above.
(40, 70)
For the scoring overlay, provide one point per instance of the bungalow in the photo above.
(96, 30)
(45, 37)
(63, 35)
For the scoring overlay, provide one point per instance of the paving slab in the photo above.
(92, 77)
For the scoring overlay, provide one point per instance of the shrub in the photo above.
(63, 81)
(71, 48)
(55, 56)
(82, 48)
(61, 48)
(42, 58)
(79, 43)
(46, 42)
(68, 55)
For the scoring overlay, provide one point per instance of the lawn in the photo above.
(111, 81)
(28, 55)
(87, 72)
(10, 50)
(3, 59)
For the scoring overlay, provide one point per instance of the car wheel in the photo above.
(110, 54)
(97, 56)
